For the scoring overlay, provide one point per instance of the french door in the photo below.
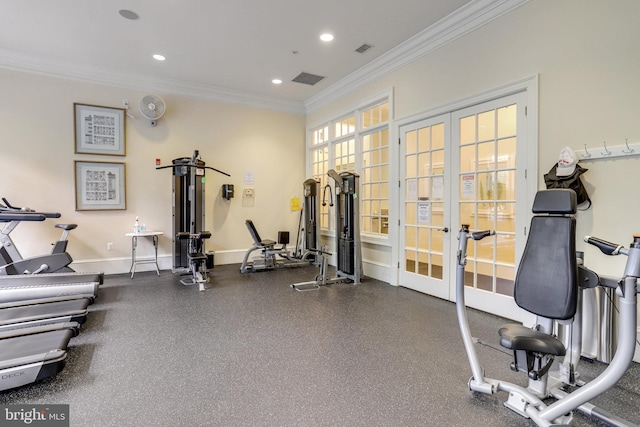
(465, 167)
(425, 206)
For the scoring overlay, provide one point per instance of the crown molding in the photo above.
(462, 21)
(26, 63)
(469, 17)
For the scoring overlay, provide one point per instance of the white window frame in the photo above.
(357, 135)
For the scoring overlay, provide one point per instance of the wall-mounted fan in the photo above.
(152, 107)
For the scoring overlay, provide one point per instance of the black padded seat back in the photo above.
(557, 201)
(547, 279)
(253, 232)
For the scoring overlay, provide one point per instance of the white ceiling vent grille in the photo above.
(307, 79)
(365, 47)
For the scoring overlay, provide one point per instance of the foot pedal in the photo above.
(305, 287)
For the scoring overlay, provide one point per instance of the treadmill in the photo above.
(18, 287)
(42, 312)
(28, 358)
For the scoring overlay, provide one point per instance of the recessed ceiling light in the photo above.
(159, 57)
(276, 81)
(128, 14)
(326, 37)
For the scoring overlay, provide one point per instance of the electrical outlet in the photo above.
(110, 246)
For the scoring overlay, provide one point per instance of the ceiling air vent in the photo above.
(365, 47)
(307, 79)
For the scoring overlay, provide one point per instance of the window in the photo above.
(359, 143)
(374, 182)
(345, 127)
(320, 136)
(320, 166)
(344, 157)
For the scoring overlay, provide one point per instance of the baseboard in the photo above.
(372, 269)
(229, 257)
(377, 270)
(165, 262)
(119, 265)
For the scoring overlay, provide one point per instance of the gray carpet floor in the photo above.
(251, 351)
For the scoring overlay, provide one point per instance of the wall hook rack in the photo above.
(625, 150)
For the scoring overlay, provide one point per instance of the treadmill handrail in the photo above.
(21, 216)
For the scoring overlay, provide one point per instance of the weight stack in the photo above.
(346, 255)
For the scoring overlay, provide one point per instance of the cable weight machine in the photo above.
(188, 210)
(308, 230)
(347, 234)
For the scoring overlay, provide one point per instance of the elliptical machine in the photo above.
(188, 218)
(13, 262)
(547, 285)
(347, 234)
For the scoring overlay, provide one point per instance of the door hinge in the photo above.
(526, 110)
(399, 184)
(525, 174)
(398, 141)
(398, 223)
(525, 230)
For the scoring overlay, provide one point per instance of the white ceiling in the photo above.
(235, 46)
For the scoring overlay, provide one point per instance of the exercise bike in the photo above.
(197, 259)
(547, 285)
(13, 262)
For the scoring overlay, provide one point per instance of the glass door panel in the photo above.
(424, 184)
(487, 152)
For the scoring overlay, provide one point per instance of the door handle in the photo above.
(445, 229)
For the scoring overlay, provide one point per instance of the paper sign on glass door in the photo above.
(424, 212)
(437, 187)
(468, 186)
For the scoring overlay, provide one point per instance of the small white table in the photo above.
(134, 244)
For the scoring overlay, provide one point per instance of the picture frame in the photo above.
(100, 185)
(99, 130)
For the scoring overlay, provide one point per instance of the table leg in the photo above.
(155, 246)
(134, 244)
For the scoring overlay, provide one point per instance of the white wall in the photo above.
(37, 155)
(585, 54)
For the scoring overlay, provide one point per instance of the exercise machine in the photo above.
(347, 234)
(28, 358)
(37, 322)
(188, 249)
(39, 314)
(11, 259)
(546, 285)
(305, 252)
(197, 264)
(309, 229)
